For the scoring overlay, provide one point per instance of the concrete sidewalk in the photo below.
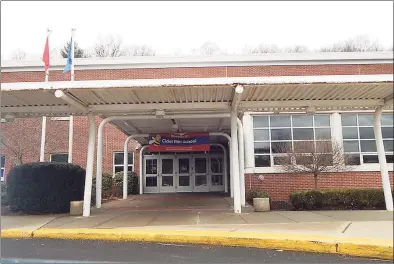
(357, 233)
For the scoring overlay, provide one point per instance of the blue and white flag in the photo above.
(69, 57)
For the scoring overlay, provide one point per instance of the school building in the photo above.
(204, 124)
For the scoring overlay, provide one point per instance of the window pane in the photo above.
(325, 160)
(151, 166)
(365, 120)
(59, 157)
(390, 158)
(350, 146)
(262, 147)
(262, 161)
(184, 165)
(2, 161)
(216, 165)
(261, 134)
(281, 134)
(303, 133)
(323, 146)
(387, 119)
(349, 133)
(322, 120)
(200, 165)
(387, 132)
(370, 159)
(167, 181)
(282, 160)
(368, 146)
(167, 166)
(201, 180)
(217, 180)
(260, 121)
(118, 160)
(323, 133)
(304, 160)
(349, 120)
(304, 147)
(280, 121)
(352, 159)
(281, 147)
(151, 181)
(367, 133)
(118, 169)
(388, 145)
(184, 180)
(302, 121)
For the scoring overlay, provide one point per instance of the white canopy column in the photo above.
(382, 156)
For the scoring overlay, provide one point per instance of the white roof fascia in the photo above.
(143, 83)
(147, 62)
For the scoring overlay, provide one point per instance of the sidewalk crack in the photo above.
(344, 230)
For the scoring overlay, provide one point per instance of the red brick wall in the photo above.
(27, 131)
(280, 185)
(202, 72)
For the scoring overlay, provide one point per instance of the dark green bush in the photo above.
(132, 183)
(338, 199)
(45, 187)
(4, 200)
(256, 194)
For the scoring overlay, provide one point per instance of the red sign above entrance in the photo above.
(178, 142)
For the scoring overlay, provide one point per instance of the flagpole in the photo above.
(71, 122)
(44, 118)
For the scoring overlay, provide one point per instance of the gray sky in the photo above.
(182, 26)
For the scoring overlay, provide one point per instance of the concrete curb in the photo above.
(371, 248)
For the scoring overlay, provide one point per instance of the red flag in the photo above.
(45, 56)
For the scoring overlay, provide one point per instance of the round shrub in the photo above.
(4, 200)
(256, 194)
(45, 187)
(132, 182)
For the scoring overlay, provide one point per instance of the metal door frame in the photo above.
(190, 174)
(168, 189)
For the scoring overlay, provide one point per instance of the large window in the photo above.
(273, 135)
(59, 157)
(2, 167)
(359, 138)
(118, 161)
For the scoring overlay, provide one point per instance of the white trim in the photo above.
(184, 82)
(60, 118)
(147, 62)
(121, 164)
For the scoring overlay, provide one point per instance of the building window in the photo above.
(2, 167)
(59, 157)
(118, 161)
(359, 138)
(60, 118)
(273, 135)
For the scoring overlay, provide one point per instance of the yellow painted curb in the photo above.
(372, 248)
(16, 233)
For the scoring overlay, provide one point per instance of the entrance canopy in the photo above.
(191, 96)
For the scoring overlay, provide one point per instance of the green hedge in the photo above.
(44, 187)
(342, 199)
(257, 193)
(132, 183)
(4, 200)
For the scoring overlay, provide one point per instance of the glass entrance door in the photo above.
(201, 175)
(151, 183)
(216, 167)
(167, 174)
(184, 173)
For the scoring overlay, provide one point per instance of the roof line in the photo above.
(187, 82)
(323, 58)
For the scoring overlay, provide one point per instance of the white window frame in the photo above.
(57, 153)
(275, 167)
(365, 166)
(2, 168)
(121, 165)
(61, 118)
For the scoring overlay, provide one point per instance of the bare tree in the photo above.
(297, 49)
(313, 157)
(142, 50)
(18, 54)
(356, 44)
(109, 46)
(263, 48)
(209, 48)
